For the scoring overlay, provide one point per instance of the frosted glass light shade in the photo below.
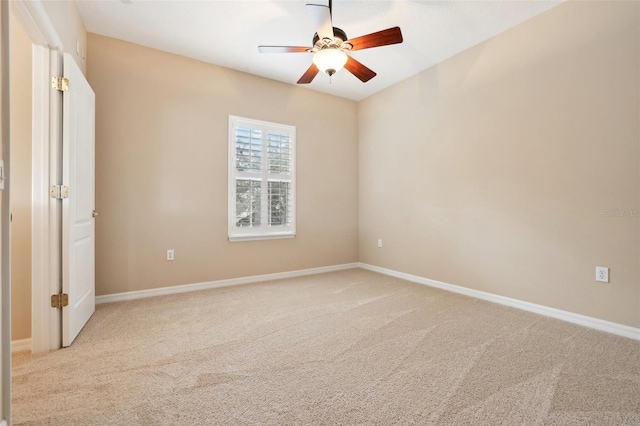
(330, 60)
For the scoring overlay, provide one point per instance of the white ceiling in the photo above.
(227, 33)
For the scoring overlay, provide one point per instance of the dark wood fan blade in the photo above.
(356, 68)
(381, 38)
(309, 75)
(283, 49)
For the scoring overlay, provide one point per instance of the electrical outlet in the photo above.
(379, 243)
(170, 255)
(602, 274)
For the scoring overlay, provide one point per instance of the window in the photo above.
(262, 185)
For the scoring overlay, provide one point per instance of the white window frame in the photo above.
(263, 231)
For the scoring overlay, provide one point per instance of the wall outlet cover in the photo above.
(602, 274)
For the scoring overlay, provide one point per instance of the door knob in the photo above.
(95, 213)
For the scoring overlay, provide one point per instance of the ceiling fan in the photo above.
(330, 46)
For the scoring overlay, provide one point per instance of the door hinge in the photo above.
(59, 192)
(59, 301)
(60, 83)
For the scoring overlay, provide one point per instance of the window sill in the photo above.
(258, 237)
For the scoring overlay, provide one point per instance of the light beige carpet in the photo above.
(345, 348)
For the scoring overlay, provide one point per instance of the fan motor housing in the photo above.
(338, 34)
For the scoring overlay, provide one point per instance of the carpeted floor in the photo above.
(344, 348)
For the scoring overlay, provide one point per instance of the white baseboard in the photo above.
(20, 345)
(142, 294)
(595, 323)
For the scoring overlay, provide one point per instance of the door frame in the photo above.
(46, 238)
(5, 214)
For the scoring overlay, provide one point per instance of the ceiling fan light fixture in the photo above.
(330, 60)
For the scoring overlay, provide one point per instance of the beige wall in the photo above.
(161, 170)
(66, 19)
(20, 75)
(494, 170)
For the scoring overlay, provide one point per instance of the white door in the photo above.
(78, 226)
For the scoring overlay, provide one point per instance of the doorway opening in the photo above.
(36, 247)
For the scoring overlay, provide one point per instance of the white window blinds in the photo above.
(261, 180)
